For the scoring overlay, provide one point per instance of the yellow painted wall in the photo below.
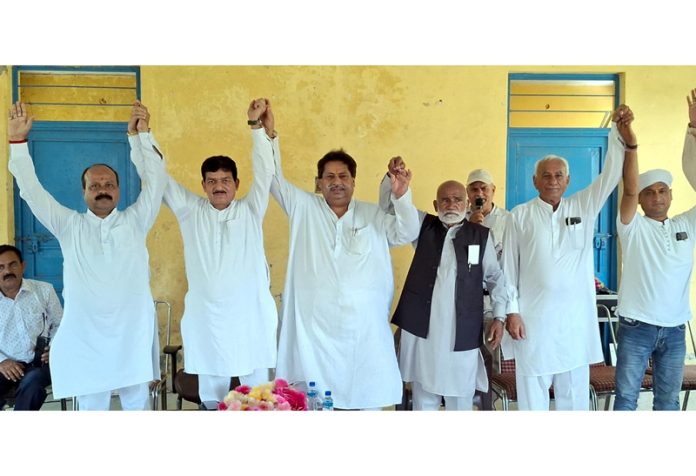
(444, 121)
(6, 203)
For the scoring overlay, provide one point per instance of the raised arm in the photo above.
(47, 210)
(402, 227)
(689, 154)
(153, 175)
(262, 154)
(285, 193)
(599, 190)
(629, 198)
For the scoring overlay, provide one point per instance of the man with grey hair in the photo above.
(480, 190)
(658, 258)
(548, 259)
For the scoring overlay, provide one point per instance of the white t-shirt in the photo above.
(657, 263)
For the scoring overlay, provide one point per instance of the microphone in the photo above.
(478, 203)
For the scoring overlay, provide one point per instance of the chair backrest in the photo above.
(507, 366)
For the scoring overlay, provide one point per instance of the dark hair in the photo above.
(219, 162)
(337, 156)
(84, 183)
(5, 248)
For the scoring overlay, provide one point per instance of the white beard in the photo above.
(450, 217)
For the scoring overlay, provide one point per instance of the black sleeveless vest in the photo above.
(413, 311)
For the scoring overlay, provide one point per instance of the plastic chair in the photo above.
(689, 380)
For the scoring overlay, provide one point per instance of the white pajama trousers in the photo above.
(212, 388)
(571, 390)
(424, 400)
(135, 397)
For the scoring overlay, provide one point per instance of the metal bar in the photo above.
(78, 104)
(74, 86)
(561, 95)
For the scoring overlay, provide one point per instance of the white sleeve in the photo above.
(404, 226)
(494, 279)
(263, 169)
(153, 179)
(47, 210)
(594, 196)
(511, 263)
(285, 193)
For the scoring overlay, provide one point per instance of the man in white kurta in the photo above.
(339, 286)
(105, 341)
(548, 258)
(480, 190)
(230, 317)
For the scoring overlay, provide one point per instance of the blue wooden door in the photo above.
(61, 151)
(585, 150)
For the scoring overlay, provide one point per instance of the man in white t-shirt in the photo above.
(654, 292)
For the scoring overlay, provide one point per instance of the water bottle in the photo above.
(328, 402)
(313, 401)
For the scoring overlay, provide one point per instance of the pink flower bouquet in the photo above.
(271, 396)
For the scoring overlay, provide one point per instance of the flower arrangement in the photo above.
(271, 396)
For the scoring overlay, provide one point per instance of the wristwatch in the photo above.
(254, 123)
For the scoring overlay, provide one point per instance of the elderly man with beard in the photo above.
(28, 309)
(107, 336)
(339, 286)
(443, 292)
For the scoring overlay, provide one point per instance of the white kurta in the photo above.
(105, 340)
(230, 317)
(432, 361)
(551, 266)
(496, 221)
(338, 293)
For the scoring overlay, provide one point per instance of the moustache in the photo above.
(219, 191)
(8, 276)
(103, 195)
(337, 188)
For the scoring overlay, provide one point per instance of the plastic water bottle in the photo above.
(328, 402)
(314, 403)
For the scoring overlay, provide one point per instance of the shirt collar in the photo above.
(26, 287)
(547, 206)
(106, 219)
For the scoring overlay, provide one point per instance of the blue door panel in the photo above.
(585, 151)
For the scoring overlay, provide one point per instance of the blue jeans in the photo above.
(638, 342)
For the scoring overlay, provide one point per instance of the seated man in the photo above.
(28, 309)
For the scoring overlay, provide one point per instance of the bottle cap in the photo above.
(312, 384)
(327, 393)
